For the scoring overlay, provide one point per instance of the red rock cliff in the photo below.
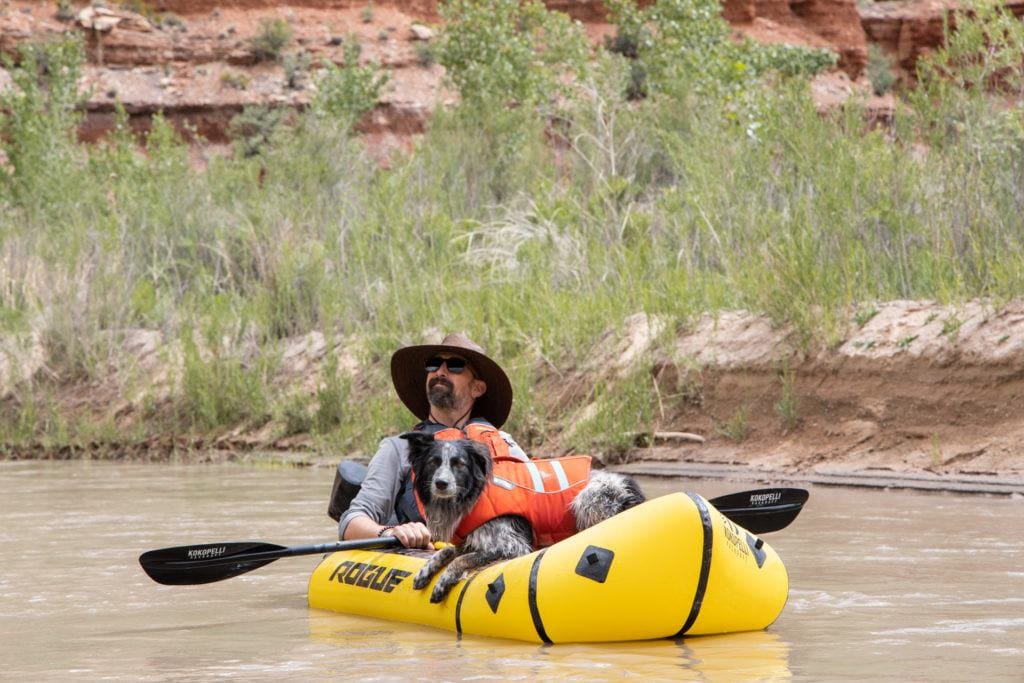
(192, 59)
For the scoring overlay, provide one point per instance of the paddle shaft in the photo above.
(310, 549)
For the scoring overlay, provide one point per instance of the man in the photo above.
(448, 386)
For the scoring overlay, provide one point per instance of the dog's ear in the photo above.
(419, 442)
(480, 457)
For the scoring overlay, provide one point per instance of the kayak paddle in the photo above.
(759, 511)
(187, 565)
(762, 510)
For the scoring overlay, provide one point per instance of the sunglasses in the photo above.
(455, 365)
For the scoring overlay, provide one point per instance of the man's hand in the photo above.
(411, 534)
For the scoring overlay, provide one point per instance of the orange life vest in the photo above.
(539, 490)
(484, 433)
(407, 504)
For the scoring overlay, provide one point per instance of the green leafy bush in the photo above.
(235, 79)
(348, 91)
(332, 398)
(508, 52)
(272, 39)
(982, 53)
(219, 390)
(679, 45)
(254, 128)
(39, 116)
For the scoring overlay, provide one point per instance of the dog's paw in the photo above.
(439, 593)
(422, 578)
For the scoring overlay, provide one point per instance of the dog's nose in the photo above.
(441, 485)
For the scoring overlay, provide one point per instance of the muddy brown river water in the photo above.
(884, 586)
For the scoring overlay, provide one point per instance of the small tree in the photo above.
(40, 113)
(509, 52)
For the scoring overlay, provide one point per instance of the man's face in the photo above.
(450, 390)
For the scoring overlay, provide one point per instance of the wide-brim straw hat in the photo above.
(410, 377)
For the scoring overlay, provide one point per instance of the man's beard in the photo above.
(441, 394)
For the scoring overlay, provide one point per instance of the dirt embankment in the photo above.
(194, 60)
(921, 395)
(918, 395)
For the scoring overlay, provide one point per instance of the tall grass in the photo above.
(535, 228)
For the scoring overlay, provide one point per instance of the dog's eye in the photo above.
(435, 462)
(458, 463)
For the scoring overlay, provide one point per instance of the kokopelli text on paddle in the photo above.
(204, 553)
(760, 499)
(372, 576)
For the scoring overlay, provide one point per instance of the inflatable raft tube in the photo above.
(671, 567)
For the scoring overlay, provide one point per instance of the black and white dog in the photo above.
(450, 476)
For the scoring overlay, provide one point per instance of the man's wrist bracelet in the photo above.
(384, 530)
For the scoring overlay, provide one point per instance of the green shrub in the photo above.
(348, 91)
(787, 406)
(296, 416)
(170, 20)
(984, 55)
(65, 11)
(39, 117)
(272, 39)
(235, 79)
(331, 398)
(220, 391)
(503, 52)
(736, 427)
(425, 53)
(679, 45)
(879, 70)
(254, 128)
(788, 60)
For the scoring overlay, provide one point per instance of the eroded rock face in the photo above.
(194, 60)
(906, 30)
(833, 24)
(910, 29)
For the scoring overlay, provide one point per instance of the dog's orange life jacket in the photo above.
(539, 490)
(407, 505)
(484, 433)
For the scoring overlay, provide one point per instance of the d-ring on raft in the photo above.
(673, 566)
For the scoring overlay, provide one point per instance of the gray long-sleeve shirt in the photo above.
(388, 468)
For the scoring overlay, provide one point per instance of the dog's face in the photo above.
(453, 472)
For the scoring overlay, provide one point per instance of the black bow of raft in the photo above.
(758, 511)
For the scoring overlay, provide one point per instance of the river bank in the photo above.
(914, 395)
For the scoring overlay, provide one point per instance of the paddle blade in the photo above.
(762, 510)
(195, 564)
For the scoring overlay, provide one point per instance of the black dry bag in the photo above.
(348, 477)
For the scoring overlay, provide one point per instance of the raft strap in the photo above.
(705, 564)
